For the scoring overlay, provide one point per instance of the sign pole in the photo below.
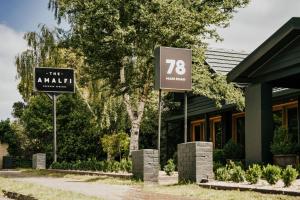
(54, 97)
(185, 117)
(159, 122)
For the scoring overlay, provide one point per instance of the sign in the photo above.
(173, 69)
(54, 80)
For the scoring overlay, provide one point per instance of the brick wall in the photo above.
(145, 165)
(195, 161)
(3, 152)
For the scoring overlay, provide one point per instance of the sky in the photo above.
(248, 29)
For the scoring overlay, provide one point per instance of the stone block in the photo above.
(145, 165)
(39, 161)
(195, 161)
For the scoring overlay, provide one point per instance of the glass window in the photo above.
(277, 119)
(198, 131)
(240, 130)
(292, 123)
(218, 135)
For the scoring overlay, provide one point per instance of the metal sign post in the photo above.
(54, 81)
(159, 121)
(185, 117)
(173, 73)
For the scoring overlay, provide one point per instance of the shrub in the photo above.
(217, 165)
(231, 172)
(237, 174)
(94, 165)
(271, 173)
(253, 174)
(289, 175)
(218, 156)
(222, 174)
(233, 150)
(169, 168)
(282, 143)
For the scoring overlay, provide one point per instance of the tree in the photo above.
(77, 132)
(118, 38)
(117, 143)
(9, 136)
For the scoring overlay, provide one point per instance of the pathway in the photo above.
(105, 191)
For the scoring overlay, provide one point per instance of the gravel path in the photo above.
(105, 191)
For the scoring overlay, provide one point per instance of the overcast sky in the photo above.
(249, 28)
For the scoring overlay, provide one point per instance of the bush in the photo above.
(222, 174)
(217, 165)
(218, 156)
(231, 172)
(94, 165)
(233, 150)
(289, 175)
(237, 174)
(253, 174)
(169, 168)
(271, 173)
(282, 143)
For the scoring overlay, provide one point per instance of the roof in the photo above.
(223, 60)
(267, 50)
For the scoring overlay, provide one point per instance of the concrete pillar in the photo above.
(39, 161)
(195, 161)
(145, 165)
(258, 119)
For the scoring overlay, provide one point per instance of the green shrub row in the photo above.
(94, 165)
(271, 173)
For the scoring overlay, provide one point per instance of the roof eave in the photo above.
(292, 25)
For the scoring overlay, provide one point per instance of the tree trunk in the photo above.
(135, 112)
(134, 136)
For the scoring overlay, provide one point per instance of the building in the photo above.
(270, 78)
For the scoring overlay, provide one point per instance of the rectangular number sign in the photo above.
(173, 69)
(56, 80)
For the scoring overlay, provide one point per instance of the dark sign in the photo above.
(56, 80)
(173, 69)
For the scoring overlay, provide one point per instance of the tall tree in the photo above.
(118, 38)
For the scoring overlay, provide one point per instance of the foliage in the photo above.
(169, 168)
(222, 174)
(233, 150)
(217, 165)
(271, 173)
(118, 39)
(289, 174)
(231, 172)
(95, 165)
(236, 172)
(253, 173)
(9, 135)
(218, 156)
(77, 135)
(282, 143)
(115, 144)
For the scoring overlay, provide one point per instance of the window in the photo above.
(198, 130)
(286, 115)
(216, 132)
(238, 128)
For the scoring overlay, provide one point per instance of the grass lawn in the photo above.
(194, 191)
(189, 190)
(40, 192)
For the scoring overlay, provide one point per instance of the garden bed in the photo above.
(262, 186)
